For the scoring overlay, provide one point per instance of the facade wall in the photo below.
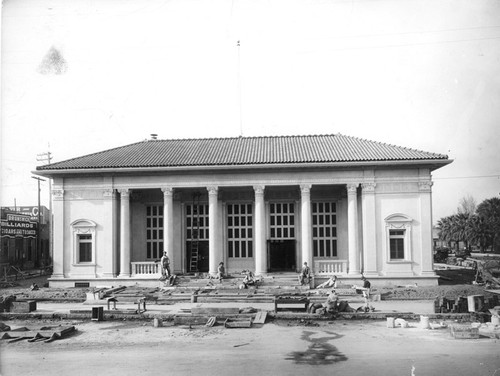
(378, 195)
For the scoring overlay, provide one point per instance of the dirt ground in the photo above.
(277, 348)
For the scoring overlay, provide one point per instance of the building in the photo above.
(21, 230)
(342, 204)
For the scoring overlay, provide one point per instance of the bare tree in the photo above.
(467, 205)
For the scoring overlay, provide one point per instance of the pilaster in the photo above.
(427, 262)
(124, 232)
(58, 237)
(369, 229)
(352, 228)
(110, 256)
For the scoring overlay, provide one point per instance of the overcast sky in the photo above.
(83, 76)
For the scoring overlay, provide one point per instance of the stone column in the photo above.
(110, 222)
(59, 246)
(124, 232)
(214, 252)
(168, 224)
(352, 229)
(260, 231)
(369, 230)
(427, 262)
(305, 225)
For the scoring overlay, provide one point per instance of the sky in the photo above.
(82, 76)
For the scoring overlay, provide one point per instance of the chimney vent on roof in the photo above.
(154, 136)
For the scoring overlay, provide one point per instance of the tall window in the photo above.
(154, 232)
(397, 244)
(324, 217)
(84, 247)
(398, 238)
(239, 230)
(197, 222)
(84, 242)
(282, 220)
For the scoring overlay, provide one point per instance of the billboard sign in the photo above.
(18, 225)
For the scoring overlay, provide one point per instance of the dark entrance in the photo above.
(203, 260)
(281, 255)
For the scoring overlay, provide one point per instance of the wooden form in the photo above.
(290, 303)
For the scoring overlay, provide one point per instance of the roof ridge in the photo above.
(244, 137)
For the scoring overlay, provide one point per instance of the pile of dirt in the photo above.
(23, 290)
(430, 292)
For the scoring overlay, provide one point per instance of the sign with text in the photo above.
(18, 225)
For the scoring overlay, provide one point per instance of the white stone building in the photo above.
(344, 205)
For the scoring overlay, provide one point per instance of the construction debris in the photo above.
(237, 323)
(45, 334)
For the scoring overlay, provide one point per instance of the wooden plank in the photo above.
(238, 324)
(214, 311)
(260, 317)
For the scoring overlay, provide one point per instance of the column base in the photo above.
(428, 273)
(124, 276)
(57, 276)
(371, 274)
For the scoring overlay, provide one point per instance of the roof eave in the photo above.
(433, 164)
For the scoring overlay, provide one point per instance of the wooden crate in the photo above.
(464, 332)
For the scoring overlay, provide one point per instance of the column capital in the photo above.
(368, 187)
(167, 191)
(352, 188)
(425, 186)
(213, 190)
(58, 194)
(305, 188)
(108, 193)
(259, 189)
(124, 192)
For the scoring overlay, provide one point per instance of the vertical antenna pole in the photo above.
(239, 90)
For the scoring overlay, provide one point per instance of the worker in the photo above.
(365, 290)
(329, 306)
(305, 274)
(249, 279)
(220, 271)
(165, 266)
(332, 282)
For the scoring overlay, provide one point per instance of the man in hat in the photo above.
(165, 266)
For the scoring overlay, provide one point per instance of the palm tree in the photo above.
(478, 232)
(489, 210)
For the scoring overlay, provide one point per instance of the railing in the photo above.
(329, 267)
(146, 269)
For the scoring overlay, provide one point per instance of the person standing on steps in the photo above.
(165, 266)
(305, 274)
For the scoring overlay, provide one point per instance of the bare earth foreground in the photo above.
(279, 348)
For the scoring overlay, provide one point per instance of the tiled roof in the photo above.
(240, 151)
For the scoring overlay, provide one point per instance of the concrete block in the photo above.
(23, 306)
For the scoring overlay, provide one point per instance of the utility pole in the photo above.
(38, 247)
(238, 44)
(47, 157)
